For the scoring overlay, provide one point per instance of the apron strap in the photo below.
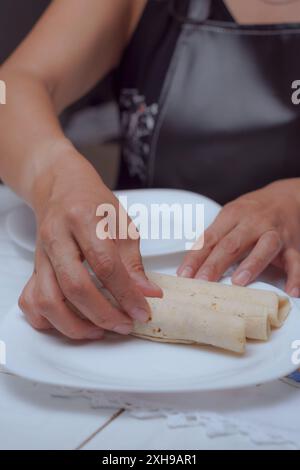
(198, 11)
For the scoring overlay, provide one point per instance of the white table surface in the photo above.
(31, 418)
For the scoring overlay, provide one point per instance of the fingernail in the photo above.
(140, 314)
(154, 286)
(95, 334)
(187, 271)
(294, 292)
(242, 278)
(123, 329)
(147, 284)
(202, 276)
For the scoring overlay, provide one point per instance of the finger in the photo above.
(103, 257)
(129, 250)
(27, 306)
(226, 252)
(77, 286)
(267, 248)
(194, 259)
(128, 247)
(132, 260)
(50, 302)
(292, 266)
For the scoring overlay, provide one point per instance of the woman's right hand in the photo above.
(65, 206)
(42, 166)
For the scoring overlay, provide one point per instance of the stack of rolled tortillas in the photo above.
(193, 311)
(197, 312)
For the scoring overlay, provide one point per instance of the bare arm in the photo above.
(70, 49)
(75, 44)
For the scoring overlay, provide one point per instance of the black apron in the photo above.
(226, 123)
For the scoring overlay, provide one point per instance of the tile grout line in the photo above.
(91, 437)
(4, 372)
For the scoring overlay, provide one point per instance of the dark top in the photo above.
(144, 66)
(247, 126)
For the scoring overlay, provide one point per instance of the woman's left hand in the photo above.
(263, 227)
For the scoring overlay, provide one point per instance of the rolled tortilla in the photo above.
(176, 321)
(245, 299)
(256, 316)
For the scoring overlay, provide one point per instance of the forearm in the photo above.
(32, 142)
(70, 49)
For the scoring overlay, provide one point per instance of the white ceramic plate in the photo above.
(21, 224)
(131, 365)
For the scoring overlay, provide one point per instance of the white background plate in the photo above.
(131, 365)
(21, 225)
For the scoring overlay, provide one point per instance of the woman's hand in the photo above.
(66, 219)
(43, 167)
(263, 227)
